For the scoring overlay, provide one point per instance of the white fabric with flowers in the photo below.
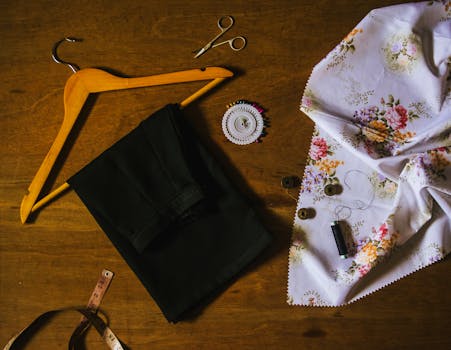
(381, 103)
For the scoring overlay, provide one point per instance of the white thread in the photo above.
(358, 204)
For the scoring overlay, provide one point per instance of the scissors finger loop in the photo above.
(237, 43)
(224, 19)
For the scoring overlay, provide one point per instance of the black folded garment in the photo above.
(171, 213)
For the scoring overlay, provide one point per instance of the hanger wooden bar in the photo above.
(77, 90)
(39, 204)
(96, 80)
(201, 91)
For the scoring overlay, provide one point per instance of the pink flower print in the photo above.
(396, 117)
(307, 102)
(318, 149)
(297, 242)
(411, 49)
(364, 269)
(402, 112)
(382, 232)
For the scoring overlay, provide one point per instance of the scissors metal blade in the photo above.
(200, 52)
(204, 49)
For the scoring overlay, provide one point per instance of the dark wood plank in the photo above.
(55, 261)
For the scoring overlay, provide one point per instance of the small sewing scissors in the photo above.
(231, 42)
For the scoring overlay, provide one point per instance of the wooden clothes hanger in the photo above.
(91, 80)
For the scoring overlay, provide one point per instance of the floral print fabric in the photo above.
(381, 102)
(382, 128)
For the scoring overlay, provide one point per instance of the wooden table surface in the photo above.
(54, 261)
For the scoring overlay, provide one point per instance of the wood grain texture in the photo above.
(54, 261)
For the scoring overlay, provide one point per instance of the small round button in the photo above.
(332, 189)
(290, 181)
(306, 213)
(329, 190)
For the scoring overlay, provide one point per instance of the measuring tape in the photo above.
(89, 317)
(93, 305)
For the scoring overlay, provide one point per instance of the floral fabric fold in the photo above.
(381, 102)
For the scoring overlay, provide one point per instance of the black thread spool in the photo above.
(339, 239)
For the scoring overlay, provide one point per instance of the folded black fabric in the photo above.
(170, 211)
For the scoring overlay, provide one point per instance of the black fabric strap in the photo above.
(113, 343)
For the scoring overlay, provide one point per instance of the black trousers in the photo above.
(172, 214)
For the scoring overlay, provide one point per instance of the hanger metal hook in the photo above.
(55, 57)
